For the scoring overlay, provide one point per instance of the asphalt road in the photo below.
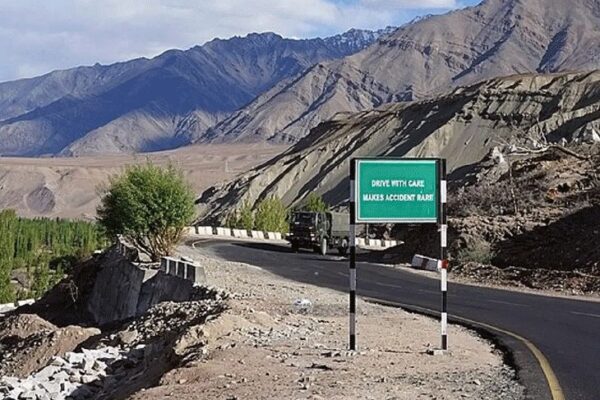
(566, 331)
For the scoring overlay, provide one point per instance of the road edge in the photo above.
(518, 352)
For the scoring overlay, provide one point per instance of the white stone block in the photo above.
(205, 230)
(223, 231)
(375, 243)
(426, 263)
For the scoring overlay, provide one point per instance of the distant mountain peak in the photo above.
(154, 104)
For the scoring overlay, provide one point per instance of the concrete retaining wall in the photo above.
(123, 289)
(160, 287)
(116, 292)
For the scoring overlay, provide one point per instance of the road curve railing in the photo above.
(260, 235)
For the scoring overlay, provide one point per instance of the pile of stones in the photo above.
(97, 371)
(77, 375)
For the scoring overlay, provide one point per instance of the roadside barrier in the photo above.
(184, 269)
(243, 234)
(426, 263)
(126, 250)
(274, 235)
(204, 230)
(375, 242)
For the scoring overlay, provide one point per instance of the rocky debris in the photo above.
(537, 224)
(567, 282)
(76, 376)
(28, 343)
(166, 320)
(303, 305)
(38, 360)
(23, 325)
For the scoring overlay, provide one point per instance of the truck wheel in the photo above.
(295, 246)
(323, 247)
(343, 249)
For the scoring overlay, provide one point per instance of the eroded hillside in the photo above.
(514, 113)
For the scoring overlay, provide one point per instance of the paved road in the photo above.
(566, 331)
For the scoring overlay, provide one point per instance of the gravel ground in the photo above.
(285, 340)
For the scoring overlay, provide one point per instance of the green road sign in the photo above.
(396, 190)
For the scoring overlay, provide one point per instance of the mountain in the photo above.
(519, 112)
(149, 104)
(423, 59)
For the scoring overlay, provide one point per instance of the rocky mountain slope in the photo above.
(425, 58)
(513, 113)
(150, 104)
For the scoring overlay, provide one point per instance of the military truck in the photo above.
(319, 231)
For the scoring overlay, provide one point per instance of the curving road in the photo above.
(566, 331)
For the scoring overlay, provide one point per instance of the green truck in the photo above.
(319, 231)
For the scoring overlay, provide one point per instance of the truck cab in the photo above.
(319, 231)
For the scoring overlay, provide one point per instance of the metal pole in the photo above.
(352, 271)
(444, 253)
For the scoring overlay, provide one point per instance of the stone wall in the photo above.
(123, 290)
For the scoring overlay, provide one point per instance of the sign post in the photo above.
(397, 190)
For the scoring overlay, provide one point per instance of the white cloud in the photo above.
(38, 36)
(412, 4)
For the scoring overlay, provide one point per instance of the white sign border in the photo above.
(359, 220)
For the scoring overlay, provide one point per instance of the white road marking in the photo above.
(585, 314)
(508, 302)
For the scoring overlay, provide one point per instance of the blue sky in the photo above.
(40, 36)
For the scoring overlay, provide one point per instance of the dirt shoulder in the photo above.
(266, 347)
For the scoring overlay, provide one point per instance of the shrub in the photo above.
(271, 216)
(232, 220)
(478, 251)
(150, 206)
(246, 216)
(315, 203)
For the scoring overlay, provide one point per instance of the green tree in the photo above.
(41, 246)
(148, 205)
(232, 220)
(41, 277)
(315, 203)
(7, 292)
(246, 216)
(271, 215)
